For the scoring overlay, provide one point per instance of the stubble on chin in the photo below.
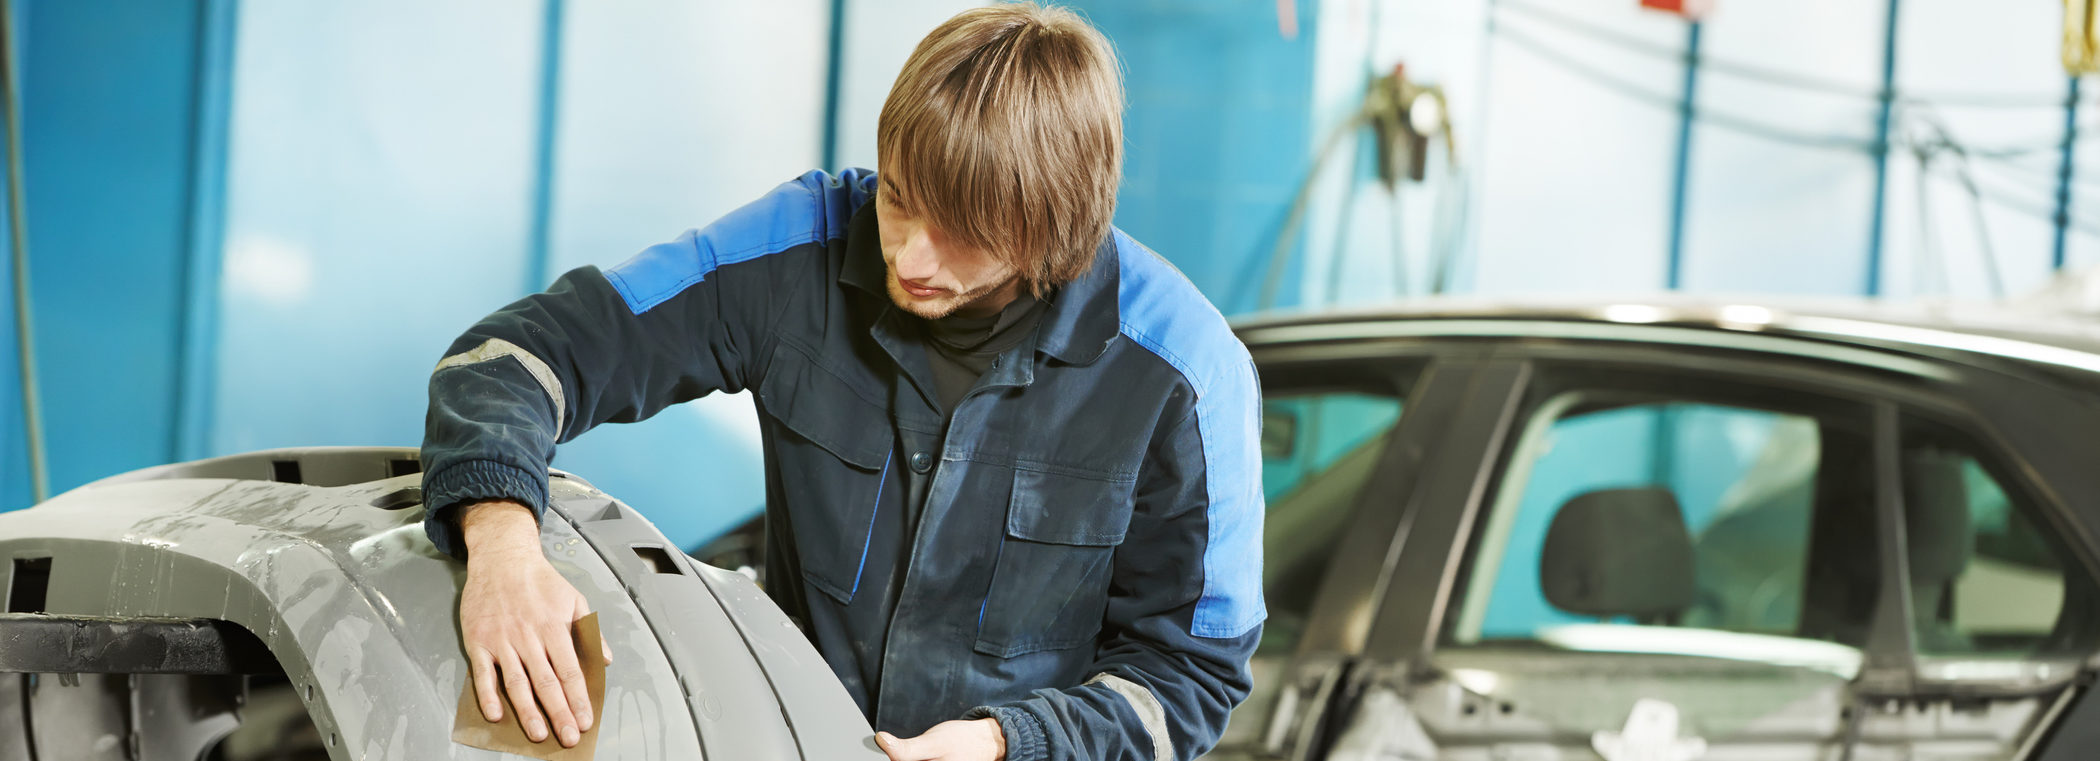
(924, 309)
(934, 309)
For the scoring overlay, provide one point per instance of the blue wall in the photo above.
(652, 140)
(1216, 134)
(378, 201)
(108, 99)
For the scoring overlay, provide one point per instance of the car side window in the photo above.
(1986, 577)
(1650, 522)
(1319, 450)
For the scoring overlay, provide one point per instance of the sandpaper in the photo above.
(508, 736)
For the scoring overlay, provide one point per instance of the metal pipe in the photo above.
(830, 150)
(1674, 279)
(538, 249)
(1881, 151)
(18, 229)
(207, 231)
(2064, 168)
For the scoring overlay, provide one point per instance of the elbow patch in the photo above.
(497, 348)
(1150, 712)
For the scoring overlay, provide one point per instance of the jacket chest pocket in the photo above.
(833, 449)
(1050, 581)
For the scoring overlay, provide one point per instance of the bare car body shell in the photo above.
(321, 555)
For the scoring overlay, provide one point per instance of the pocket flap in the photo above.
(1065, 509)
(824, 408)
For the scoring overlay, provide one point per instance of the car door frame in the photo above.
(1453, 376)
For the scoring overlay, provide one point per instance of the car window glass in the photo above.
(1646, 525)
(1318, 451)
(1986, 578)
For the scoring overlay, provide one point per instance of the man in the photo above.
(1012, 468)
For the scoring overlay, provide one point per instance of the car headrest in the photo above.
(1936, 509)
(1618, 552)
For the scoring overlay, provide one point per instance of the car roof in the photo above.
(2033, 335)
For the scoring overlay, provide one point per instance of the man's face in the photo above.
(932, 275)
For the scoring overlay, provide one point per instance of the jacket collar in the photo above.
(1081, 319)
(1086, 314)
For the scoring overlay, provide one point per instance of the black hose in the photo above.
(28, 715)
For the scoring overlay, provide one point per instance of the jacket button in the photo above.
(921, 462)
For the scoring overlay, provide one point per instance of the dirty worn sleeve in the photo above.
(677, 321)
(1185, 607)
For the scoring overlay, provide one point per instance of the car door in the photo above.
(2003, 615)
(1347, 430)
(1705, 554)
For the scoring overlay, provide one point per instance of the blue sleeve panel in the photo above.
(678, 321)
(1163, 312)
(1172, 663)
(812, 209)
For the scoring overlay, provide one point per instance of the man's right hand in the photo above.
(516, 615)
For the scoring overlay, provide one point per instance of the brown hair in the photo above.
(1006, 127)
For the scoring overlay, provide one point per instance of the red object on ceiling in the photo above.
(1691, 9)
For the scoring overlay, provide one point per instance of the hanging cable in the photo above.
(1943, 143)
(1633, 91)
(1280, 253)
(1653, 49)
(1983, 231)
(2039, 210)
(1942, 139)
(1344, 224)
(2049, 175)
(1928, 238)
(1398, 230)
(1447, 231)
(1752, 127)
(2033, 146)
(25, 336)
(1769, 75)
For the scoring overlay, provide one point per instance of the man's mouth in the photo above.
(918, 289)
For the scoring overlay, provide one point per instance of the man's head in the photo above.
(1000, 149)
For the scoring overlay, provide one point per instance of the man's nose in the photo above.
(919, 260)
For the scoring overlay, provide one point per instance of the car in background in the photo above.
(287, 604)
(1694, 529)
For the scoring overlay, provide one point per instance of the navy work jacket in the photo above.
(1086, 566)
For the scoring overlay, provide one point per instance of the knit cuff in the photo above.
(1024, 734)
(445, 491)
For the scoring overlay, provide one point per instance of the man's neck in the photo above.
(991, 303)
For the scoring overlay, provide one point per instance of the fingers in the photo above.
(570, 673)
(483, 667)
(905, 750)
(520, 691)
(521, 647)
(549, 688)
